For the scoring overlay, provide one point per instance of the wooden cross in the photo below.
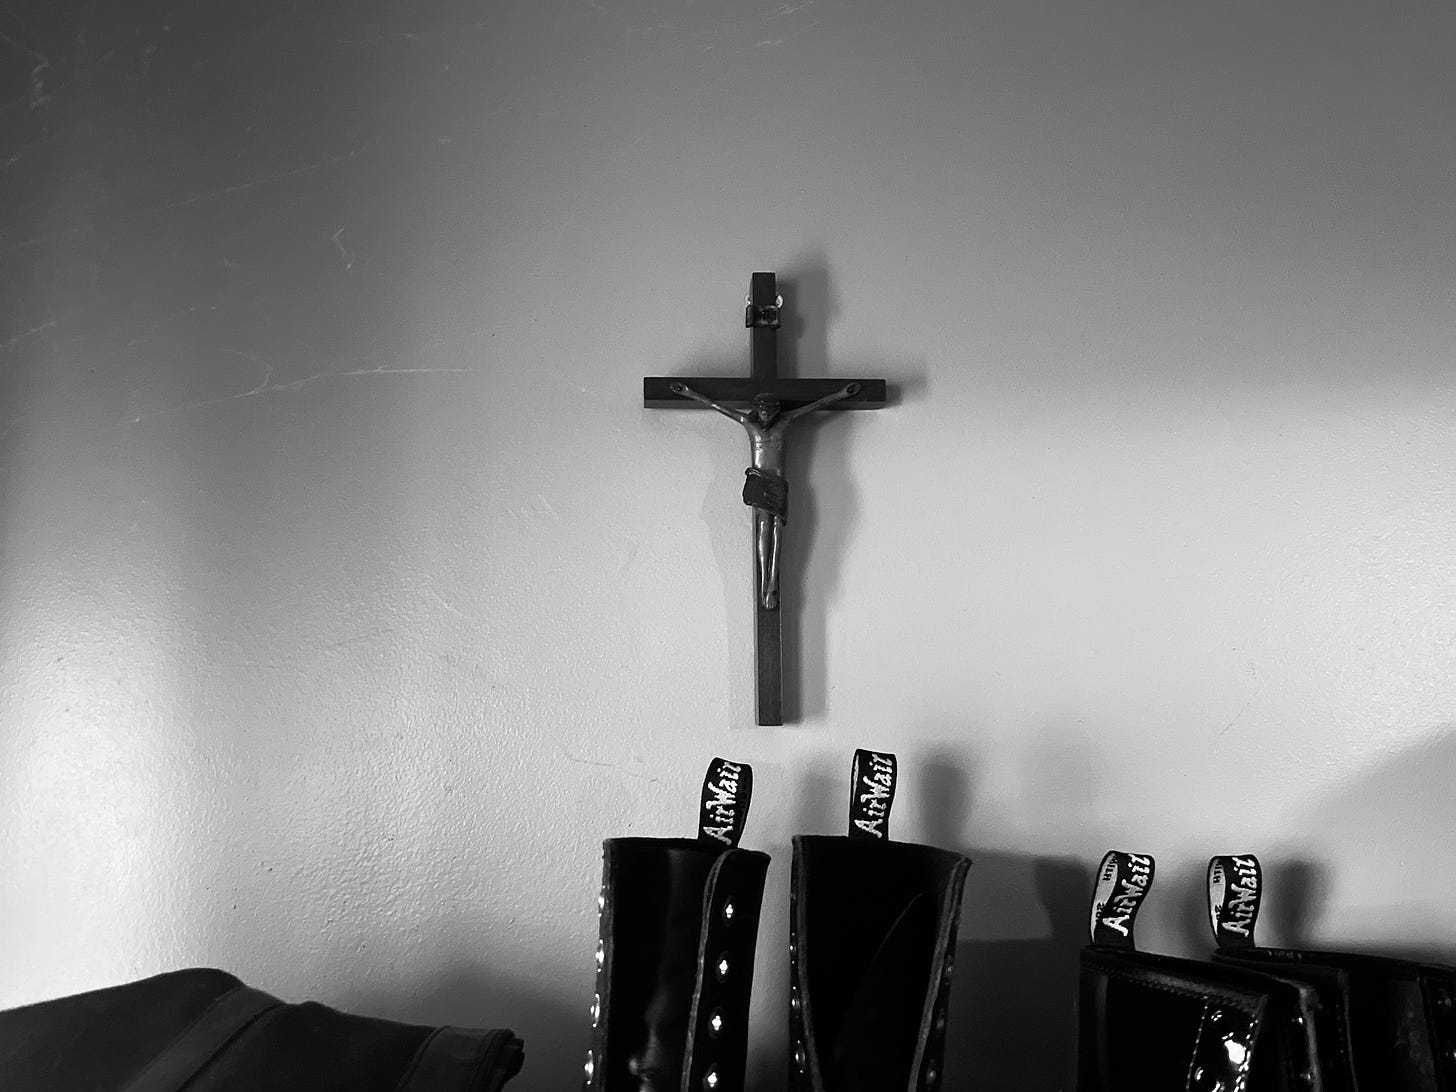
(764, 405)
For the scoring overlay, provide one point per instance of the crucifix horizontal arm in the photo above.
(849, 390)
(740, 392)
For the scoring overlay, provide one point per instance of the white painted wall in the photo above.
(349, 598)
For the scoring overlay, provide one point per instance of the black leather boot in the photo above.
(1158, 1022)
(202, 1030)
(1390, 1023)
(872, 932)
(679, 927)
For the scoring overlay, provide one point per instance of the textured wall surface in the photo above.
(349, 598)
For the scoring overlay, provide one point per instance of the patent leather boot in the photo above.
(1391, 1022)
(872, 932)
(678, 932)
(1159, 1022)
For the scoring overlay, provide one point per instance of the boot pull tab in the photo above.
(727, 791)
(1123, 881)
(1235, 886)
(871, 794)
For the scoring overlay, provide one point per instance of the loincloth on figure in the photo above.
(768, 493)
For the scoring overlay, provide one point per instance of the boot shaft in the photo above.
(872, 933)
(675, 953)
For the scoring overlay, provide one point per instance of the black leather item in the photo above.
(1141, 1026)
(1230, 1023)
(1397, 1014)
(872, 934)
(1331, 1019)
(1157, 1022)
(203, 1030)
(675, 955)
(1385, 1024)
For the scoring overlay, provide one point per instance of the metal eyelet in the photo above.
(723, 965)
(728, 911)
(710, 1081)
(715, 1023)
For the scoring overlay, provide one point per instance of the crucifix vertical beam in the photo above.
(765, 405)
(762, 320)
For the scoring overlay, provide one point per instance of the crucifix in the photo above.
(765, 406)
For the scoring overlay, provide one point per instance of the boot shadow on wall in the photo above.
(1013, 1002)
(1363, 868)
(1012, 1023)
(1383, 834)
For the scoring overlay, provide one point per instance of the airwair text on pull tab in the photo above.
(1131, 886)
(1234, 886)
(721, 819)
(876, 792)
(1242, 903)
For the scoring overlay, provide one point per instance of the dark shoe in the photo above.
(1158, 1022)
(872, 931)
(204, 1030)
(1390, 1023)
(679, 928)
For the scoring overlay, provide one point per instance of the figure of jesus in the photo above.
(765, 489)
